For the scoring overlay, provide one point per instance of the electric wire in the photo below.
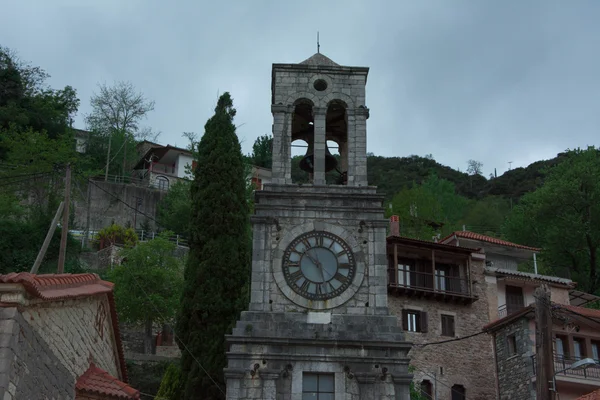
(150, 300)
(23, 175)
(25, 180)
(122, 201)
(179, 339)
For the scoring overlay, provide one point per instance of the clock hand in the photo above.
(316, 262)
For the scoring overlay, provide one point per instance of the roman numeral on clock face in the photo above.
(295, 276)
(304, 286)
(340, 278)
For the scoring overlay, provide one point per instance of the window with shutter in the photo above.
(423, 320)
(414, 321)
(448, 325)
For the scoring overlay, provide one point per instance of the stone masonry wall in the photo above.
(466, 362)
(77, 331)
(515, 371)
(29, 368)
(105, 208)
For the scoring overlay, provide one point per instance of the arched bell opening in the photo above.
(336, 131)
(303, 133)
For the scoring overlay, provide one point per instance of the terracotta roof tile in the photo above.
(488, 239)
(97, 381)
(595, 395)
(53, 287)
(59, 287)
(587, 312)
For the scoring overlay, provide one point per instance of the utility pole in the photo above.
(47, 240)
(108, 157)
(65, 223)
(543, 344)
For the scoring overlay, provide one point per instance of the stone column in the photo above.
(269, 378)
(319, 114)
(365, 383)
(233, 379)
(402, 387)
(351, 147)
(261, 258)
(281, 171)
(359, 146)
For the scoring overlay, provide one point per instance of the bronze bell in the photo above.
(308, 161)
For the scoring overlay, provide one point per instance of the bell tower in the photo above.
(318, 325)
(320, 102)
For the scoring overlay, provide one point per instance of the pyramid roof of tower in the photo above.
(320, 59)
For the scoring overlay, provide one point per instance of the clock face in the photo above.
(318, 265)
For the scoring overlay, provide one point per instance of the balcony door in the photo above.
(514, 299)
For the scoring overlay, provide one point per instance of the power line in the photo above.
(22, 175)
(179, 339)
(26, 180)
(450, 340)
(122, 201)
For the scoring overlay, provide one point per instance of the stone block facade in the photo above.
(77, 331)
(515, 367)
(293, 82)
(467, 362)
(29, 367)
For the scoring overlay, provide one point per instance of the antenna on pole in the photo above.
(318, 44)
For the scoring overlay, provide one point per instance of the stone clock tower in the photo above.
(318, 325)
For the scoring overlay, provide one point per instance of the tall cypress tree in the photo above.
(218, 268)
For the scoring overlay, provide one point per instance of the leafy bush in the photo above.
(116, 234)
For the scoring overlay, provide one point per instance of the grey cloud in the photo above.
(495, 81)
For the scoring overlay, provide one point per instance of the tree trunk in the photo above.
(148, 345)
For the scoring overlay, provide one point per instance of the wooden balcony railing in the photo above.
(561, 363)
(428, 284)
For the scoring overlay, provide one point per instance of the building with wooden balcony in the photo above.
(439, 293)
(576, 335)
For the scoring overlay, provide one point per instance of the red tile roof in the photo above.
(488, 239)
(595, 395)
(59, 286)
(96, 381)
(52, 287)
(586, 312)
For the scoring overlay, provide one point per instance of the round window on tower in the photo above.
(320, 85)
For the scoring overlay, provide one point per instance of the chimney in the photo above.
(394, 225)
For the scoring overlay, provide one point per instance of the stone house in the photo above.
(60, 339)
(453, 289)
(160, 166)
(576, 335)
(439, 293)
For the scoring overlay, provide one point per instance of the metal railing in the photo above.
(142, 235)
(505, 310)
(402, 278)
(561, 363)
(132, 180)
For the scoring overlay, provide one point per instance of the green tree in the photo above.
(175, 209)
(428, 209)
(262, 151)
(218, 269)
(563, 218)
(114, 121)
(170, 386)
(148, 284)
(487, 215)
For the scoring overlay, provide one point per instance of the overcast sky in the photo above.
(495, 81)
